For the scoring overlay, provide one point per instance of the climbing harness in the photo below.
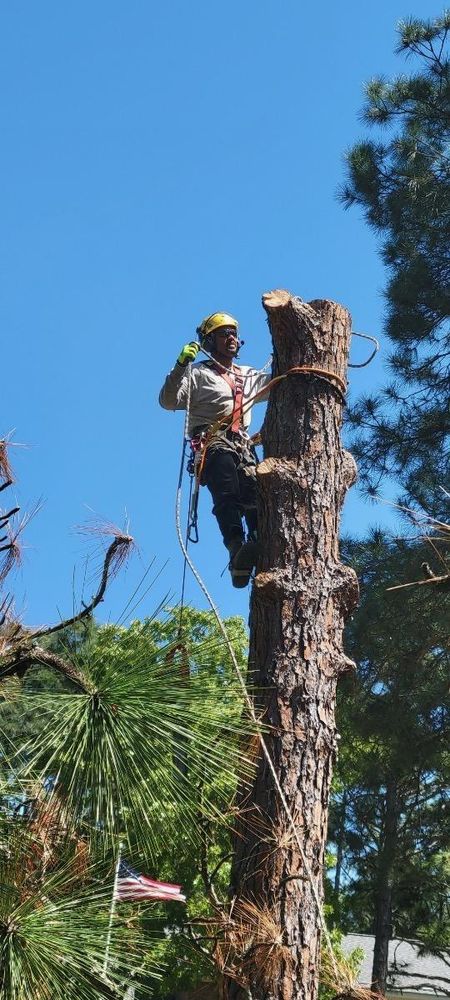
(236, 382)
(200, 441)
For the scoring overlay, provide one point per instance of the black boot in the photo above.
(234, 546)
(242, 561)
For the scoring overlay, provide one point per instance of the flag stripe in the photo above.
(133, 886)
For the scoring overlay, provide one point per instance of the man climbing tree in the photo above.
(218, 395)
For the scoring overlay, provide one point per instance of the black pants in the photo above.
(233, 491)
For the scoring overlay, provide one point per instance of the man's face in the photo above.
(225, 341)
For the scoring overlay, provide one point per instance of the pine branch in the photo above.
(24, 659)
(196, 941)
(114, 554)
(440, 581)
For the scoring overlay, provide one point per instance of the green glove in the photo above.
(189, 353)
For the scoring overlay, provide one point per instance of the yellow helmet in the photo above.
(214, 322)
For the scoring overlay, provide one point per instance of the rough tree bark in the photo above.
(301, 598)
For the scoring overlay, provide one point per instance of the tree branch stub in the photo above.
(301, 598)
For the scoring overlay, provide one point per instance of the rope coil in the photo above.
(365, 336)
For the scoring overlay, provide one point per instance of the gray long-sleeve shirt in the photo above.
(211, 395)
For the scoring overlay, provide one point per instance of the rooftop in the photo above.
(411, 968)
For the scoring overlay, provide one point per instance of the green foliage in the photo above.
(115, 748)
(347, 964)
(148, 753)
(53, 930)
(402, 185)
(394, 721)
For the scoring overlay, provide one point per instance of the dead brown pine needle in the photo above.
(120, 553)
(10, 557)
(338, 975)
(249, 944)
(6, 473)
(11, 548)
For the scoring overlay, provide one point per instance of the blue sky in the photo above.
(159, 164)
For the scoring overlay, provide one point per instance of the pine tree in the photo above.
(394, 765)
(301, 597)
(401, 180)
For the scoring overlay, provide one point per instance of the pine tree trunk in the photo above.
(383, 898)
(301, 598)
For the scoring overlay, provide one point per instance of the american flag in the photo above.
(131, 887)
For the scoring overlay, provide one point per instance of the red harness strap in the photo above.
(236, 383)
